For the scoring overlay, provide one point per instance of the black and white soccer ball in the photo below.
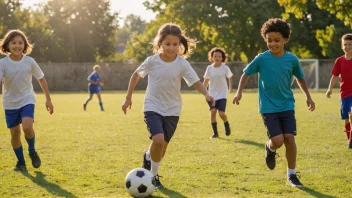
(140, 182)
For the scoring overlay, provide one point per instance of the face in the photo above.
(217, 57)
(347, 46)
(275, 43)
(97, 69)
(170, 46)
(16, 46)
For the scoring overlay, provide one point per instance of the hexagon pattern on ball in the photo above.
(140, 182)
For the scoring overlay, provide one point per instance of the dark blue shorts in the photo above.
(219, 105)
(345, 107)
(157, 123)
(280, 123)
(14, 116)
(94, 89)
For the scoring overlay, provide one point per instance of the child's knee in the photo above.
(289, 139)
(277, 142)
(222, 114)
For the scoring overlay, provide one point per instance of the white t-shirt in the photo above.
(163, 93)
(16, 78)
(217, 80)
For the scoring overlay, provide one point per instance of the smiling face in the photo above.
(347, 46)
(217, 58)
(275, 42)
(170, 47)
(16, 47)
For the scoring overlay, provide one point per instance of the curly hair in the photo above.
(4, 43)
(217, 49)
(276, 25)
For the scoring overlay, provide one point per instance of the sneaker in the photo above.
(350, 145)
(227, 131)
(215, 135)
(158, 185)
(84, 106)
(36, 162)
(293, 181)
(146, 163)
(270, 158)
(20, 166)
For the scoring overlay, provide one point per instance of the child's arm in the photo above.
(44, 86)
(238, 96)
(132, 84)
(230, 84)
(92, 82)
(206, 83)
(333, 80)
(201, 89)
(303, 85)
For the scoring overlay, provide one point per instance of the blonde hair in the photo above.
(187, 44)
(4, 43)
(96, 66)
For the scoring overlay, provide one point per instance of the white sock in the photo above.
(155, 167)
(268, 145)
(291, 171)
(147, 155)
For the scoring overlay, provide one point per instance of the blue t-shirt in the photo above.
(95, 78)
(275, 79)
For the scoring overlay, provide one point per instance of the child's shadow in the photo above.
(315, 193)
(52, 188)
(171, 193)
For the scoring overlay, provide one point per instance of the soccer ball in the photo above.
(140, 182)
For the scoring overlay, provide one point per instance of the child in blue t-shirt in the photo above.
(94, 87)
(276, 68)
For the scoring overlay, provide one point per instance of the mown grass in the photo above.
(87, 154)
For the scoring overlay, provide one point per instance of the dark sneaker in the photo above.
(215, 135)
(270, 158)
(350, 145)
(84, 106)
(20, 166)
(158, 185)
(293, 181)
(36, 162)
(227, 131)
(146, 163)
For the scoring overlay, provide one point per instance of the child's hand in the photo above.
(49, 106)
(210, 98)
(128, 103)
(101, 83)
(237, 98)
(328, 93)
(310, 104)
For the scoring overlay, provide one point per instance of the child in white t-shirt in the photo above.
(18, 97)
(163, 102)
(215, 76)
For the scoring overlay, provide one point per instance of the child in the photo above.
(94, 87)
(216, 74)
(18, 98)
(343, 69)
(163, 102)
(276, 68)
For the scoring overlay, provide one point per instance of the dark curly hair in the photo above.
(276, 25)
(217, 49)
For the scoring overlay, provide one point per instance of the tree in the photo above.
(134, 23)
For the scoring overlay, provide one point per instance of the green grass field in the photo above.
(87, 154)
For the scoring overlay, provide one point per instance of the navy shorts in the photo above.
(157, 123)
(219, 105)
(14, 116)
(94, 89)
(280, 123)
(345, 107)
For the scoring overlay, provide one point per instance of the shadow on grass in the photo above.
(52, 188)
(315, 193)
(259, 145)
(171, 193)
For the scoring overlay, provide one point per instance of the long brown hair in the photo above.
(4, 43)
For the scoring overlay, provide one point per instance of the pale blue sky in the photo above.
(124, 7)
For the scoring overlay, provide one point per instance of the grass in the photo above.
(87, 154)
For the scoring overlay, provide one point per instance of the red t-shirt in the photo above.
(343, 68)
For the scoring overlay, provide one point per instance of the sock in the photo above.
(147, 155)
(227, 125)
(215, 127)
(155, 167)
(268, 145)
(291, 171)
(348, 131)
(19, 154)
(101, 106)
(31, 143)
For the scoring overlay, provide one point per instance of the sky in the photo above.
(123, 7)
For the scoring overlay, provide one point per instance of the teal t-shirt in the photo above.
(275, 79)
